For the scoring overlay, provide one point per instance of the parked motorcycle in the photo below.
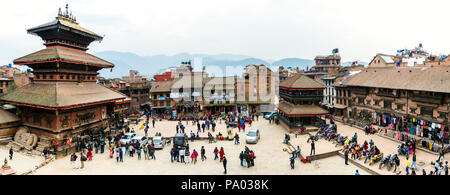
(376, 158)
(313, 137)
(384, 161)
(391, 162)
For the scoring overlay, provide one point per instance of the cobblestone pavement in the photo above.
(270, 157)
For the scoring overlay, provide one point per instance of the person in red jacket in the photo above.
(221, 153)
(239, 127)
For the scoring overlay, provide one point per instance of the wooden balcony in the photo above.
(427, 98)
(301, 97)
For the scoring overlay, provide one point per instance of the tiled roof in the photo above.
(63, 54)
(64, 23)
(300, 81)
(158, 87)
(61, 94)
(433, 79)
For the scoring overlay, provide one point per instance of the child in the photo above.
(90, 155)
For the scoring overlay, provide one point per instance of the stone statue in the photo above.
(5, 165)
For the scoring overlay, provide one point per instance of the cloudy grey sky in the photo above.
(267, 29)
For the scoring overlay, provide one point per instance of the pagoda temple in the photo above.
(64, 99)
(299, 106)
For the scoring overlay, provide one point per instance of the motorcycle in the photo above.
(376, 158)
(313, 137)
(341, 140)
(369, 155)
(391, 161)
(384, 161)
(403, 150)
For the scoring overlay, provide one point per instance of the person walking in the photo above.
(102, 146)
(146, 130)
(299, 153)
(194, 156)
(413, 164)
(152, 152)
(186, 156)
(182, 152)
(117, 154)
(89, 155)
(397, 163)
(357, 172)
(73, 160)
(236, 139)
(224, 161)
(130, 149)
(153, 122)
(172, 154)
(82, 159)
(216, 151)
(241, 157)
(221, 153)
(96, 147)
(239, 126)
(446, 168)
(441, 155)
(203, 127)
(292, 160)
(11, 153)
(408, 164)
(121, 154)
(145, 150)
(313, 148)
(203, 153)
(139, 153)
(177, 154)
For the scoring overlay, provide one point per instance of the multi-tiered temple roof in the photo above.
(65, 75)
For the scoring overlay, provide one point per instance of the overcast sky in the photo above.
(267, 29)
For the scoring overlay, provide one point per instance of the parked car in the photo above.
(232, 125)
(159, 142)
(141, 139)
(253, 136)
(179, 140)
(270, 115)
(126, 139)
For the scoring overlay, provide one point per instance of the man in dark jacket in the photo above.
(153, 123)
(241, 157)
(292, 159)
(203, 152)
(11, 152)
(313, 148)
(225, 164)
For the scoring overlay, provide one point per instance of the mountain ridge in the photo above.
(150, 65)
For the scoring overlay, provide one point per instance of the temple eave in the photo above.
(65, 61)
(60, 108)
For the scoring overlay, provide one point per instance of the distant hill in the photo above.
(294, 62)
(150, 65)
